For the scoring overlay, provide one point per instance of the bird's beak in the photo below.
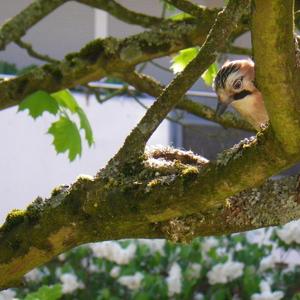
(221, 107)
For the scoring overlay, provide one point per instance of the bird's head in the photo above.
(234, 82)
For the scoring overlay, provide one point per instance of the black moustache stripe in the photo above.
(223, 74)
(241, 95)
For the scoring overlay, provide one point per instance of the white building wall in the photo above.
(65, 30)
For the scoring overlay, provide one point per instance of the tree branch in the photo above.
(106, 57)
(224, 25)
(35, 54)
(122, 13)
(149, 85)
(147, 204)
(188, 7)
(16, 27)
(276, 69)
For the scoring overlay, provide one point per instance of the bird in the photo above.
(234, 85)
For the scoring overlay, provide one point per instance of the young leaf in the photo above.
(66, 137)
(66, 99)
(180, 17)
(180, 61)
(39, 102)
(209, 75)
(85, 125)
(46, 293)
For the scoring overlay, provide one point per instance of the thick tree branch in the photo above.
(145, 204)
(122, 13)
(276, 68)
(16, 27)
(149, 85)
(221, 30)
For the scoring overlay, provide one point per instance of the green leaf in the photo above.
(250, 281)
(66, 99)
(180, 17)
(39, 102)
(66, 137)
(296, 296)
(46, 293)
(180, 61)
(209, 75)
(85, 125)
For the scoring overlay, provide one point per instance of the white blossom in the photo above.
(238, 247)
(62, 257)
(194, 270)
(35, 275)
(266, 293)
(223, 273)
(260, 236)
(154, 245)
(133, 282)
(174, 280)
(198, 296)
(89, 265)
(112, 251)
(290, 232)
(70, 283)
(7, 295)
(268, 262)
(115, 271)
(209, 243)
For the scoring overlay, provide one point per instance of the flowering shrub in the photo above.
(258, 265)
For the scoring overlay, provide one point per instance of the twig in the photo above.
(160, 66)
(175, 120)
(16, 27)
(188, 7)
(122, 13)
(35, 54)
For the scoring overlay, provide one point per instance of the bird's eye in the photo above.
(237, 84)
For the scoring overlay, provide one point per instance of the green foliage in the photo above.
(65, 99)
(169, 7)
(39, 102)
(182, 59)
(181, 17)
(46, 293)
(251, 282)
(66, 137)
(296, 296)
(209, 75)
(98, 270)
(7, 68)
(85, 125)
(65, 131)
(11, 69)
